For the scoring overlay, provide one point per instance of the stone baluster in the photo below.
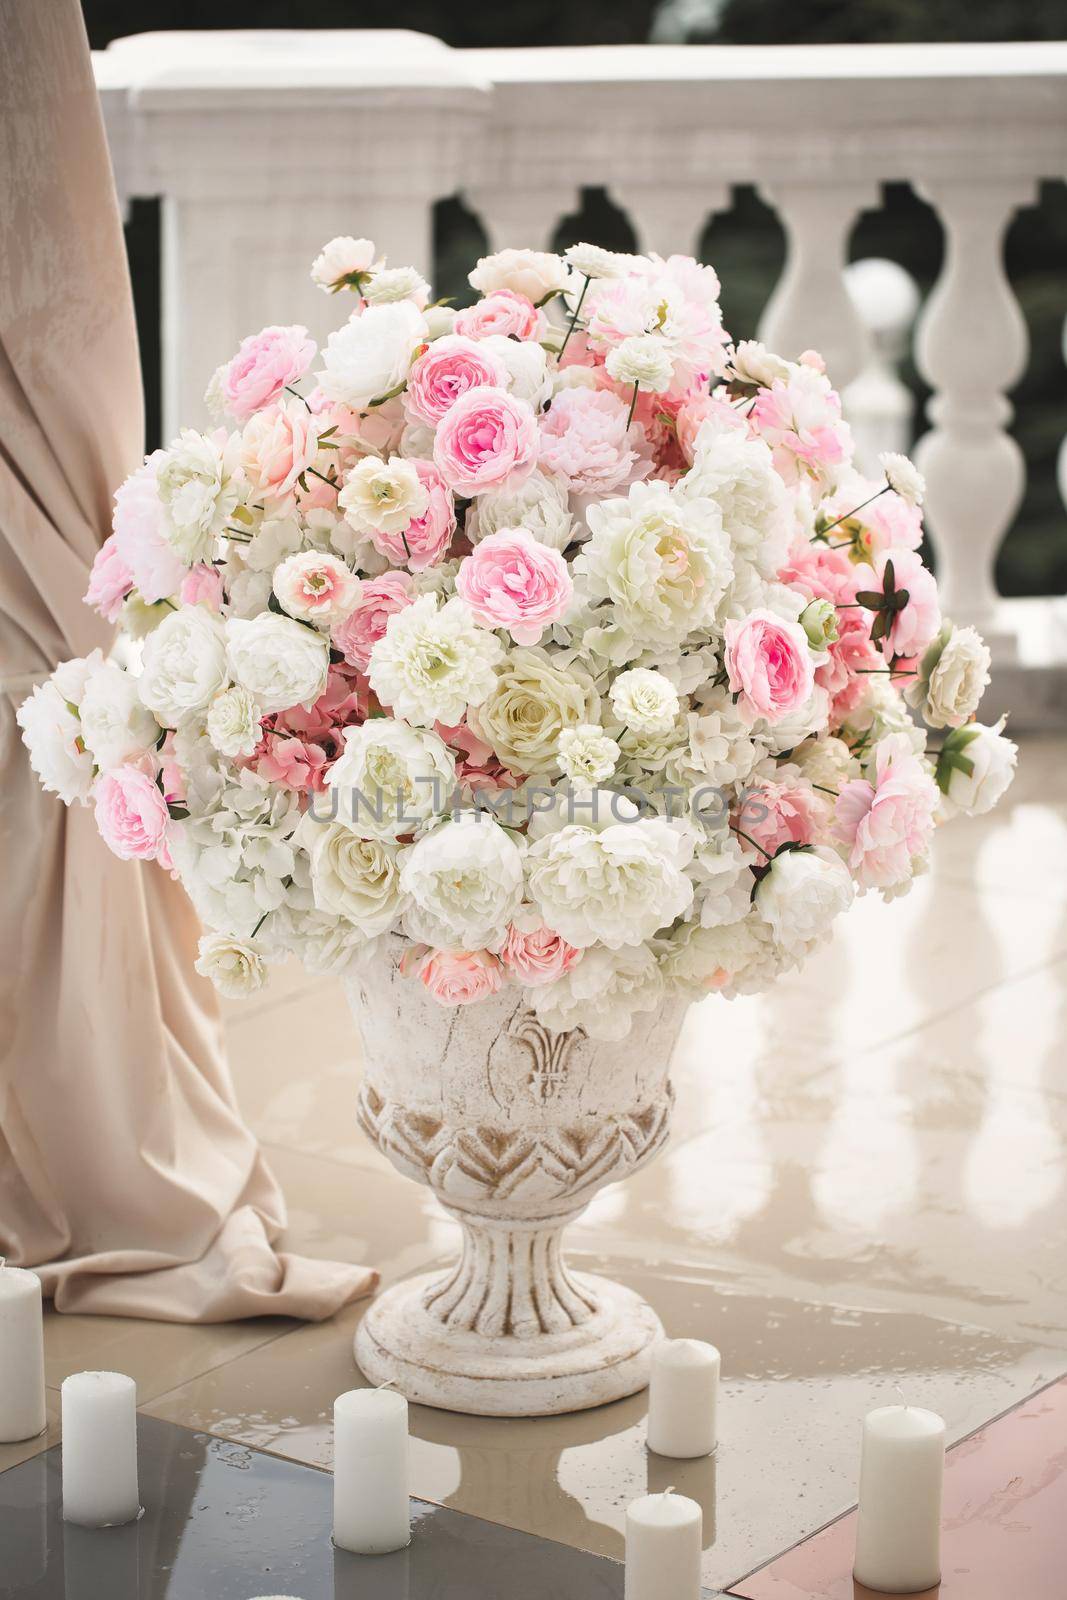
(879, 406)
(971, 347)
(667, 218)
(522, 217)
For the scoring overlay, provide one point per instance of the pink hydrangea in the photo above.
(503, 312)
(769, 665)
(773, 814)
(511, 581)
(110, 581)
(800, 418)
(299, 746)
(139, 538)
(487, 437)
(886, 824)
(586, 441)
(132, 814)
(450, 367)
(538, 955)
(379, 599)
(202, 586)
(264, 364)
(460, 977)
(478, 768)
(278, 446)
(425, 540)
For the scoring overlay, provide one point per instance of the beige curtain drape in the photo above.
(127, 1177)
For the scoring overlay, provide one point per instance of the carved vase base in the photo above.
(604, 1358)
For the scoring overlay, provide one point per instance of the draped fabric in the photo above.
(127, 1176)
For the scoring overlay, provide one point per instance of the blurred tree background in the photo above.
(745, 245)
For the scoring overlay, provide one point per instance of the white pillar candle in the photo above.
(22, 1413)
(663, 1545)
(371, 1514)
(100, 1449)
(898, 1530)
(683, 1397)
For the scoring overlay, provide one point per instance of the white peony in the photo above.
(433, 662)
(234, 965)
(540, 504)
(342, 263)
(391, 284)
(198, 493)
(184, 665)
(383, 496)
(391, 779)
(801, 894)
(534, 273)
(234, 723)
(354, 877)
(730, 958)
(602, 993)
(316, 587)
(645, 700)
(115, 724)
(52, 734)
(951, 678)
(587, 756)
(643, 359)
(534, 697)
(369, 357)
(279, 661)
(465, 883)
(974, 768)
(738, 473)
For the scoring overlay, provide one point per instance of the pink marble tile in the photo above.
(1005, 1521)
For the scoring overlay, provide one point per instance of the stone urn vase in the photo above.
(515, 1129)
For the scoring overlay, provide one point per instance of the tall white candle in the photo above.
(898, 1532)
(99, 1449)
(371, 1514)
(683, 1397)
(663, 1545)
(22, 1413)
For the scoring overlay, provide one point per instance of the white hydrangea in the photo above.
(353, 876)
(184, 665)
(602, 994)
(587, 756)
(801, 894)
(391, 779)
(115, 723)
(729, 958)
(643, 359)
(237, 857)
(540, 504)
(465, 880)
(738, 473)
(645, 700)
(235, 966)
(434, 661)
(721, 748)
(234, 723)
(278, 660)
(368, 358)
(383, 496)
(198, 492)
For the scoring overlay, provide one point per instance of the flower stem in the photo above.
(846, 514)
(749, 840)
(574, 319)
(290, 390)
(325, 479)
(633, 406)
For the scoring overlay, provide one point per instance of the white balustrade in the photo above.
(878, 404)
(262, 145)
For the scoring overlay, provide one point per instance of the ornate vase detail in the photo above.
(515, 1129)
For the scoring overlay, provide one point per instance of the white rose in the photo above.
(525, 364)
(534, 273)
(952, 676)
(391, 779)
(439, 320)
(434, 662)
(587, 756)
(752, 362)
(541, 505)
(184, 665)
(643, 359)
(645, 700)
(369, 357)
(801, 894)
(316, 587)
(738, 473)
(114, 721)
(342, 263)
(465, 882)
(383, 496)
(279, 661)
(532, 700)
(234, 965)
(354, 877)
(52, 734)
(198, 493)
(391, 284)
(602, 993)
(974, 768)
(234, 723)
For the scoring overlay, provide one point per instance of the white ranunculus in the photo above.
(433, 662)
(526, 367)
(903, 477)
(587, 756)
(738, 473)
(198, 493)
(664, 562)
(465, 882)
(534, 273)
(279, 661)
(534, 697)
(391, 779)
(391, 284)
(115, 724)
(592, 261)
(234, 965)
(602, 993)
(612, 882)
(645, 700)
(354, 877)
(540, 505)
(644, 359)
(801, 894)
(951, 678)
(234, 723)
(52, 734)
(184, 665)
(369, 357)
(383, 496)
(974, 768)
(316, 587)
(342, 262)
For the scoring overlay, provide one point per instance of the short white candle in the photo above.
(371, 1514)
(683, 1397)
(898, 1532)
(663, 1545)
(100, 1449)
(22, 1413)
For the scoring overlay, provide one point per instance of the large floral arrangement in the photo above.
(558, 637)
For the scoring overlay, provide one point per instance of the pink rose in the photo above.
(773, 814)
(451, 366)
(460, 977)
(693, 415)
(277, 447)
(510, 581)
(425, 540)
(769, 666)
(131, 814)
(503, 312)
(139, 538)
(885, 824)
(262, 367)
(379, 599)
(914, 626)
(110, 581)
(586, 441)
(539, 955)
(315, 586)
(202, 586)
(486, 438)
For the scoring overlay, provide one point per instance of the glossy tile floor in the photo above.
(865, 1191)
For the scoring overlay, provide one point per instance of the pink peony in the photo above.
(887, 521)
(425, 540)
(774, 814)
(586, 441)
(826, 573)
(538, 956)
(885, 824)
(769, 666)
(262, 367)
(132, 814)
(460, 977)
(378, 599)
(110, 581)
(486, 438)
(202, 586)
(800, 418)
(511, 581)
(139, 538)
(278, 445)
(503, 312)
(914, 627)
(451, 366)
